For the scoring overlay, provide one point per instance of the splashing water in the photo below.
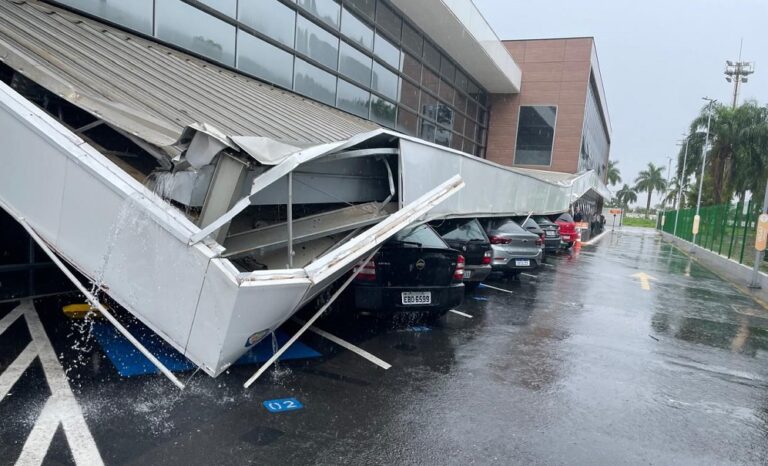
(278, 372)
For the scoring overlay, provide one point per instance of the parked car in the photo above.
(468, 237)
(514, 249)
(551, 233)
(530, 225)
(568, 233)
(414, 271)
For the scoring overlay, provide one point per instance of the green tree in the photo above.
(650, 180)
(625, 196)
(612, 173)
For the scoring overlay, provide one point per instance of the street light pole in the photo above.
(680, 185)
(697, 218)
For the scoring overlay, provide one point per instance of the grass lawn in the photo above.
(640, 222)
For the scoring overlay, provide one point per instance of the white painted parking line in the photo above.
(463, 314)
(595, 239)
(345, 344)
(497, 289)
(548, 265)
(60, 408)
(528, 275)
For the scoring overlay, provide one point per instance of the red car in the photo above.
(568, 233)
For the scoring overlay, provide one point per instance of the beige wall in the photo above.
(555, 72)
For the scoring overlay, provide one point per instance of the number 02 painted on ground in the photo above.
(283, 404)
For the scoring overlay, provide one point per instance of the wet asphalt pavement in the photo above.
(578, 365)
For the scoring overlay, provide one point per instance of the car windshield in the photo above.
(420, 236)
(465, 230)
(565, 218)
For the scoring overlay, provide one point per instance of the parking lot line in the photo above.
(14, 371)
(528, 275)
(345, 344)
(463, 314)
(484, 285)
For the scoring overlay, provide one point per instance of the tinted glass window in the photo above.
(456, 142)
(353, 99)
(431, 56)
(460, 102)
(135, 15)
(356, 30)
(355, 64)
(386, 51)
(271, 18)
(388, 20)
(383, 112)
(446, 92)
(428, 106)
(326, 10)
(460, 230)
(316, 42)
(422, 234)
(227, 7)
(458, 123)
(384, 81)
(470, 129)
(447, 70)
(407, 122)
(264, 60)
(430, 80)
(471, 109)
(412, 40)
(535, 133)
(461, 81)
(427, 131)
(411, 67)
(366, 7)
(210, 37)
(314, 82)
(443, 136)
(409, 94)
(445, 115)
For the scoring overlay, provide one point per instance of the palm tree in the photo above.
(612, 173)
(650, 180)
(626, 195)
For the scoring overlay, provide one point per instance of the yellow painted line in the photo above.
(645, 279)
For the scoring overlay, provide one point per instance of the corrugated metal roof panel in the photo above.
(150, 90)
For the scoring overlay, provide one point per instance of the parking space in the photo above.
(625, 351)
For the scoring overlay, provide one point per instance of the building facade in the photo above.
(376, 59)
(559, 120)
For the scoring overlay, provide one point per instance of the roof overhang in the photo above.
(462, 31)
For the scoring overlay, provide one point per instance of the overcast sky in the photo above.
(658, 59)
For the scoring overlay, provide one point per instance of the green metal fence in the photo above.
(727, 229)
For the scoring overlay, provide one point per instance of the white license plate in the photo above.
(410, 298)
(551, 233)
(522, 262)
(467, 274)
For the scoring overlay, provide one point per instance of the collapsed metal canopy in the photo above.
(152, 91)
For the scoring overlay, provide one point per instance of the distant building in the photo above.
(559, 121)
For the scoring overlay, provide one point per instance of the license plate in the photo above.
(522, 262)
(467, 274)
(551, 233)
(410, 298)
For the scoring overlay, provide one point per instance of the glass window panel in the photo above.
(210, 37)
(412, 40)
(446, 92)
(473, 90)
(326, 10)
(461, 81)
(314, 82)
(471, 109)
(409, 94)
(136, 15)
(456, 142)
(227, 7)
(264, 60)
(445, 115)
(386, 51)
(535, 133)
(470, 128)
(429, 80)
(388, 20)
(355, 64)
(458, 123)
(443, 137)
(407, 122)
(316, 42)
(271, 18)
(366, 7)
(411, 67)
(447, 70)
(428, 106)
(460, 102)
(427, 131)
(384, 81)
(356, 30)
(469, 146)
(353, 99)
(382, 111)
(431, 56)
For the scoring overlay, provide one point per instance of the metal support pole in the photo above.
(680, 190)
(290, 220)
(307, 325)
(95, 304)
(703, 161)
(755, 281)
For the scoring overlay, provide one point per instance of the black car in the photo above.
(551, 233)
(414, 271)
(467, 237)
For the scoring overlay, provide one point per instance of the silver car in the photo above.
(514, 249)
